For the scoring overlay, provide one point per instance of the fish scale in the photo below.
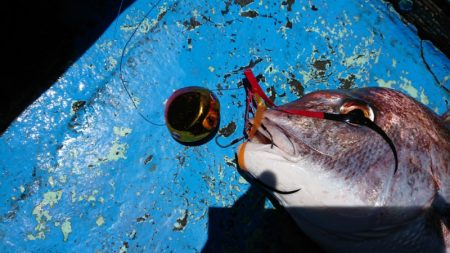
(369, 209)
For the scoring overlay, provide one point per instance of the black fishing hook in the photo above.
(354, 117)
(258, 181)
(229, 144)
(270, 135)
(249, 177)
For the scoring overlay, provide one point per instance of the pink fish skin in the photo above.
(350, 200)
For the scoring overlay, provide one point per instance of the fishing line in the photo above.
(355, 117)
(121, 77)
(124, 82)
(226, 89)
(199, 131)
(229, 144)
(118, 15)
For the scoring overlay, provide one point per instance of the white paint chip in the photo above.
(66, 229)
(100, 221)
(122, 131)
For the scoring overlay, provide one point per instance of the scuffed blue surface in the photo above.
(81, 171)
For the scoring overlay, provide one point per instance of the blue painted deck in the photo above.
(81, 171)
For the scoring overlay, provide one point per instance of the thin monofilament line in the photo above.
(118, 15)
(122, 79)
(350, 117)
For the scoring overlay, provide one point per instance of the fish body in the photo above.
(349, 198)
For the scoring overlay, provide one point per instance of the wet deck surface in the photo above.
(81, 171)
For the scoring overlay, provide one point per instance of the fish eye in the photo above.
(358, 107)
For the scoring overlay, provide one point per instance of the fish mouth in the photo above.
(273, 136)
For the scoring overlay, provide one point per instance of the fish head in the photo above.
(344, 173)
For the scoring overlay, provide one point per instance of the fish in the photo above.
(339, 181)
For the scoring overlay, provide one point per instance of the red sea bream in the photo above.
(350, 199)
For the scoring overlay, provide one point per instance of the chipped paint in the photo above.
(181, 222)
(117, 151)
(123, 249)
(51, 182)
(76, 106)
(66, 229)
(446, 79)
(230, 161)
(81, 150)
(241, 180)
(63, 179)
(111, 63)
(136, 101)
(146, 25)
(407, 86)
(92, 197)
(423, 98)
(100, 221)
(121, 131)
(386, 84)
(51, 198)
(43, 216)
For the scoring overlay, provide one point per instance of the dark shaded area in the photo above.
(248, 227)
(432, 20)
(43, 38)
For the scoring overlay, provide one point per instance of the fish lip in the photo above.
(270, 133)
